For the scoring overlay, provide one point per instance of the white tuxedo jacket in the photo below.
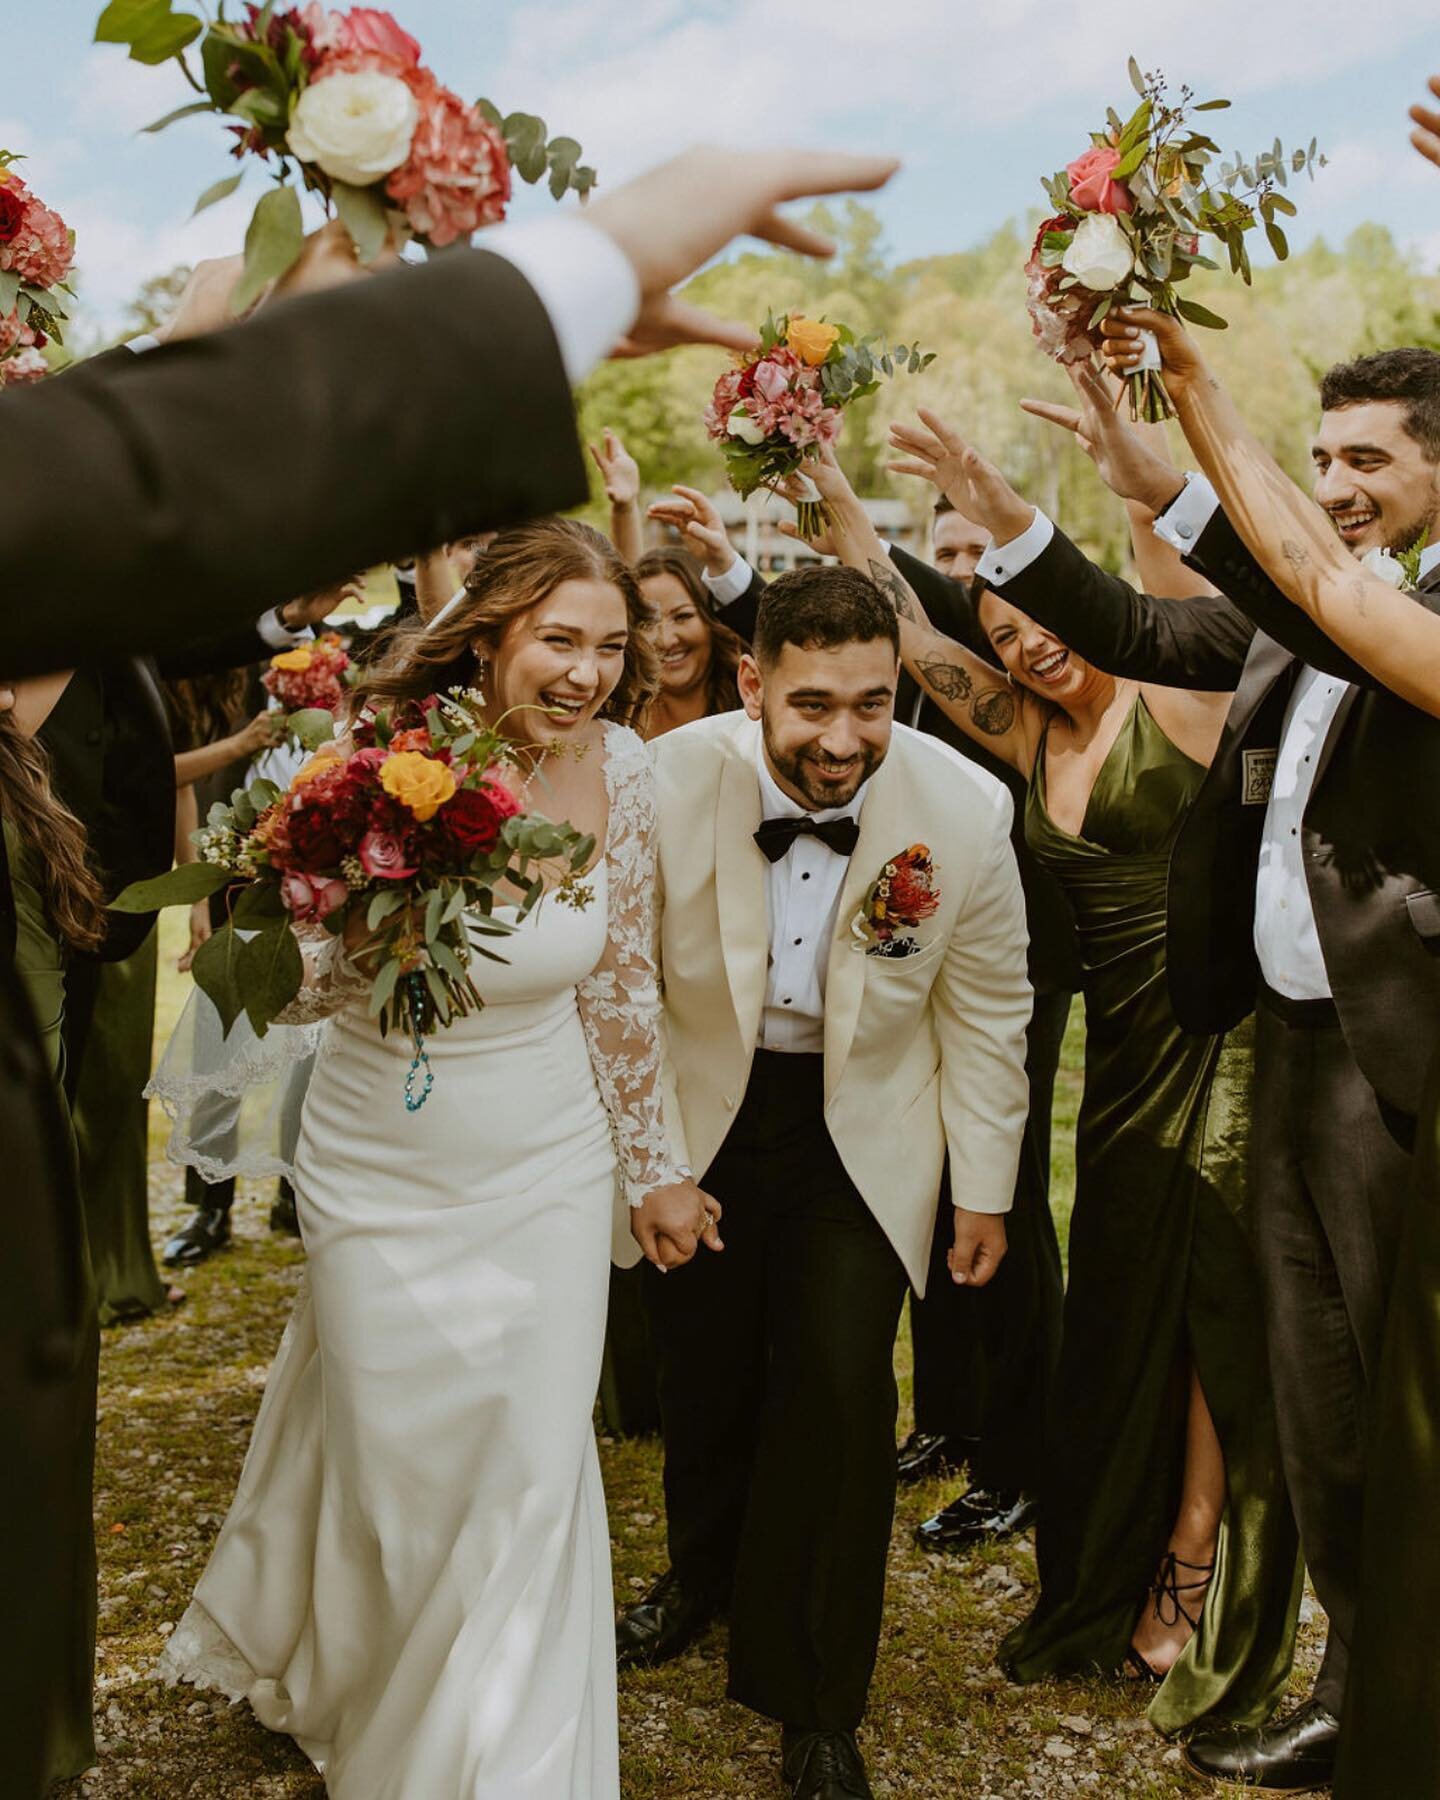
(923, 1053)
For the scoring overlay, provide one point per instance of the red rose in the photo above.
(473, 819)
(12, 213)
(1091, 187)
(312, 835)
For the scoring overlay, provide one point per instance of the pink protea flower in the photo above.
(457, 176)
(40, 252)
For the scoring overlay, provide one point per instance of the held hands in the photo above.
(696, 515)
(618, 470)
(971, 485)
(1128, 465)
(979, 1247)
(671, 1223)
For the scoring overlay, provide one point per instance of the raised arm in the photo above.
(620, 473)
(1311, 580)
(975, 695)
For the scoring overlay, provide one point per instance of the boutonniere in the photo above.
(1401, 569)
(901, 897)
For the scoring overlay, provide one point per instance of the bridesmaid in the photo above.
(56, 906)
(1164, 1539)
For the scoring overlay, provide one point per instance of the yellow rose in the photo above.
(417, 781)
(317, 765)
(294, 662)
(811, 341)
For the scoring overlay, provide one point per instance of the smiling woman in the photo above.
(698, 655)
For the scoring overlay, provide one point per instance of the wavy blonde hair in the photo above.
(521, 568)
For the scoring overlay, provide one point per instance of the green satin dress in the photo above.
(1161, 1272)
(1390, 1733)
(40, 964)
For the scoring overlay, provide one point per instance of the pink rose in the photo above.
(771, 381)
(1091, 187)
(382, 854)
(308, 897)
(457, 176)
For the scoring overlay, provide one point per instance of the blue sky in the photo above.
(978, 100)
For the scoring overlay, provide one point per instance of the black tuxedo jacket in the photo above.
(1054, 956)
(1370, 835)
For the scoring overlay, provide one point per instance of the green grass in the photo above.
(178, 1398)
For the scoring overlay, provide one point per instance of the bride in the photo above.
(414, 1578)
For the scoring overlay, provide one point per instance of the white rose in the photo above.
(1099, 256)
(741, 425)
(1389, 568)
(356, 127)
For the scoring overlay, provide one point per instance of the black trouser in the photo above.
(777, 1392)
(985, 1357)
(1330, 1180)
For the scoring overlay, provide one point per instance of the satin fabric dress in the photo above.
(40, 964)
(414, 1579)
(1161, 1271)
(1390, 1731)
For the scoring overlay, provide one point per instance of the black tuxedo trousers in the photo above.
(777, 1393)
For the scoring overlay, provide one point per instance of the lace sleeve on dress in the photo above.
(620, 1000)
(331, 980)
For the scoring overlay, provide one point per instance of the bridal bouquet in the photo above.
(344, 99)
(310, 682)
(1130, 215)
(36, 251)
(776, 408)
(413, 832)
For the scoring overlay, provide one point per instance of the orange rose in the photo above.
(294, 662)
(811, 341)
(317, 765)
(417, 781)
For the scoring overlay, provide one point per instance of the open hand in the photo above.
(972, 485)
(618, 470)
(1426, 136)
(671, 1224)
(979, 1247)
(698, 517)
(1128, 465)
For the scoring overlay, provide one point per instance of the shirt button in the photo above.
(784, 1002)
(805, 876)
(1185, 531)
(798, 942)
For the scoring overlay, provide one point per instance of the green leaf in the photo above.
(152, 31)
(180, 112)
(384, 985)
(262, 794)
(269, 968)
(1210, 106)
(448, 960)
(256, 903)
(1200, 315)
(1278, 241)
(491, 113)
(387, 901)
(181, 886)
(434, 907)
(362, 213)
(218, 190)
(216, 972)
(1137, 77)
(1131, 161)
(273, 244)
(312, 726)
(9, 289)
(1283, 203)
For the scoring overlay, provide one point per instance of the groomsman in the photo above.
(983, 1362)
(1306, 874)
(842, 948)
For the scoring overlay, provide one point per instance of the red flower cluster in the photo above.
(310, 675)
(1059, 317)
(780, 395)
(35, 242)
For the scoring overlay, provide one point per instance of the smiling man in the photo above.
(842, 947)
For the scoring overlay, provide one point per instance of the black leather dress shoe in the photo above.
(283, 1216)
(1288, 1756)
(667, 1621)
(927, 1453)
(207, 1232)
(823, 1765)
(982, 1516)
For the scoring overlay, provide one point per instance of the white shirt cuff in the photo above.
(584, 281)
(278, 636)
(732, 584)
(147, 341)
(1001, 561)
(1183, 521)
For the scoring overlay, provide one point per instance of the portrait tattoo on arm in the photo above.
(947, 679)
(994, 711)
(1295, 554)
(894, 589)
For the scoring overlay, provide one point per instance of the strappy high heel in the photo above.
(1170, 1609)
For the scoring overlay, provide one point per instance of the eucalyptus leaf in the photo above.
(384, 986)
(218, 190)
(180, 112)
(1137, 77)
(312, 726)
(273, 244)
(387, 901)
(1199, 315)
(362, 213)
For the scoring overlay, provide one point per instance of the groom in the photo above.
(842, 946)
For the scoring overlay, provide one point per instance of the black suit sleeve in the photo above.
(1200, 643)
(740, 614)
(212, 656)
(212, 478)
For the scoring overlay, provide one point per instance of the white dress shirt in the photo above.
(802, 894)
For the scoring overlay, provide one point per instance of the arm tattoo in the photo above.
(1295, 554)
(894, 589)
(994, 711)
(949, 680)
(1358, 589)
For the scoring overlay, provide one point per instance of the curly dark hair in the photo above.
(822, 607)
(519, 570)
(1410, 376)
(726, 646)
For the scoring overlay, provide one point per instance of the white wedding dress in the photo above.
(414, 1578)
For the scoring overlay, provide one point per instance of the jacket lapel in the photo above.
(881, 836)
(740, 883)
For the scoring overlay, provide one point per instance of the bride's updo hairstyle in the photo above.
(521, 568)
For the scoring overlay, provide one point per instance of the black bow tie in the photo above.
(776, 836)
